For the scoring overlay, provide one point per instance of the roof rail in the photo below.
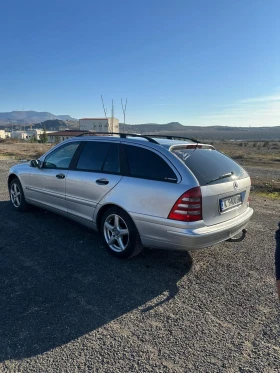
(122, 135)
(171, 137)
(147, 137)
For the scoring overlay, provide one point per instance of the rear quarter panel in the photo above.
(146, 197)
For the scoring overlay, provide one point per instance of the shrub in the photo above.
(33, 139)
(238, 156)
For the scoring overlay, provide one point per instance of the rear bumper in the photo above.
(158, 235)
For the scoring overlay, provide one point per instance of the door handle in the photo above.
(60, 176)
(102, 181)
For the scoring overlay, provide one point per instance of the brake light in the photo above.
(192, 146)
(188, 207)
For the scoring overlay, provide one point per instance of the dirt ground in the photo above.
(261, 160)
(68, 306)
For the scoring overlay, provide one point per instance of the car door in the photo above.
(96, 173)
(47, 184)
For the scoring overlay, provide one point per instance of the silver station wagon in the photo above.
(158, 192)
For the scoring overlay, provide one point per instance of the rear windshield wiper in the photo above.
(229, 174)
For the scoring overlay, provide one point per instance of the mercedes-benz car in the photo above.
(157, 192)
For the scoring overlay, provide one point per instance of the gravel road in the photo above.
(68, 306)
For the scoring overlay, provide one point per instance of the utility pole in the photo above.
(112, 117)
(124, 112)
(110, 121)
(105, 111)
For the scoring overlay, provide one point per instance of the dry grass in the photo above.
(261, 158)
(252, 153)
(22, 150)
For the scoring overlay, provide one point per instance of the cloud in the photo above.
(258, 111)
(248, 111)
(260, 99)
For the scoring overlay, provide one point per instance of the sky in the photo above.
(197, 62)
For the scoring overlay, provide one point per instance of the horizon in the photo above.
(204, 63)
(129, 124)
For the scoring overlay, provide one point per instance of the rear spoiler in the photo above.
(191, 146)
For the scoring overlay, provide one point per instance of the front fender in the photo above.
(20, 171)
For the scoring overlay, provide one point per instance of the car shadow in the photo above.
(57, 281)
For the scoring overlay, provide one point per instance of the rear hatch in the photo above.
(225, 185)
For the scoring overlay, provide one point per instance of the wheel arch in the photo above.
(102, 210)
(11, 178)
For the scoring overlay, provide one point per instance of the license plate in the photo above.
(230, 202)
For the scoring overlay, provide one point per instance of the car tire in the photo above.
(120, 234)
(17, 196)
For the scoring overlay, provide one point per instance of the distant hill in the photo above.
(30, 117)
(153, 127)
(19, 119)
(205, 133)
(49, 125)
(54, 125)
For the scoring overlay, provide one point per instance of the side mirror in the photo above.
(36, 163)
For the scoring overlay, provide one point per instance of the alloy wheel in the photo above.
(15, 195)
(116, 233)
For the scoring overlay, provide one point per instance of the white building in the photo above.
(21, 135)
(2, 134)
(28, 134)
(99, 124)
(37, 133)
(56, 137)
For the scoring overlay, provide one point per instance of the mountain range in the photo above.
(30, 117)
(20, 119)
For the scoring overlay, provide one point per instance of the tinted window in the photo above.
(99, 156)
(209, 164)
(61, 157)
(148, 165)
(112, 162)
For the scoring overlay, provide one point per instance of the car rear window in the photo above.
(146, 164)
(209, 164)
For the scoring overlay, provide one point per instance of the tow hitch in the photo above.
(244, 231)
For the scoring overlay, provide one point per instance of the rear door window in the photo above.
(209, 166)
(145, 164)
(99, 157)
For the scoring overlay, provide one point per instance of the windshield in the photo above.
(210, 166)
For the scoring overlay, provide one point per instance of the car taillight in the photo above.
(188, 207)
